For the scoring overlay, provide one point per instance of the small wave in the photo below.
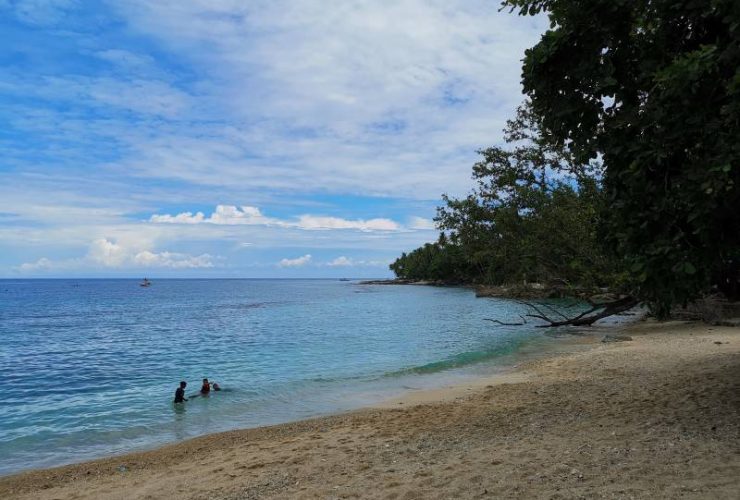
(456, 361)
(338, 379)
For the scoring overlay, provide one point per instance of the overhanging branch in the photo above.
(586, 318)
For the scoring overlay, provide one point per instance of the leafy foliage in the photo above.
(651, 87)
(533, 216)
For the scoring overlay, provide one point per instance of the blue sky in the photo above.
(242, 138)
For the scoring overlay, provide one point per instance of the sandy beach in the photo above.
(655, 417)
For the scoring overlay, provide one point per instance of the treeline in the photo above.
(623, 169)
(533, 216)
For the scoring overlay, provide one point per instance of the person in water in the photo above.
(206, 387)
(180, 393)
(216, 387)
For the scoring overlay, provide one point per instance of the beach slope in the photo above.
(657, 417)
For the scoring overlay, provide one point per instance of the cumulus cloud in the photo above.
(247, 215)
(224, 214)
(172, 260)
(421, 223)
(42, 264)
(341, 261)
(258, 100)
(107, 253)
(312, 222)
(181, 218)
(112, 254)
(297, 262)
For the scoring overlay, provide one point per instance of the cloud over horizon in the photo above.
(297, 262)
(233, 215)
(109, 254)
(361, 112)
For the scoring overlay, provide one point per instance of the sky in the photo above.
(226, 138)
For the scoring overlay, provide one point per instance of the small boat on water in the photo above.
(145, 283)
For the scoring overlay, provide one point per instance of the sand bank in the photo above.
(655, 417)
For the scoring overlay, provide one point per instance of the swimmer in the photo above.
(180, 393)
(206, 387)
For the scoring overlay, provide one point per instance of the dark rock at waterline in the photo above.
(397, 281)
(403, 281)
(616, 338)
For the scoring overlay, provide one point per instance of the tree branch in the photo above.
(524, 321)
(586, 318)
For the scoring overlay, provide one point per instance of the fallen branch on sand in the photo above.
(547, 312)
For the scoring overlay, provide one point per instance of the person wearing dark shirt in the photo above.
(180, 393)
(206, 387)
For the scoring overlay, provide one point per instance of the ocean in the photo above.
(88, 368)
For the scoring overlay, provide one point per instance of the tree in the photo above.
(652, 88)
(533, 216)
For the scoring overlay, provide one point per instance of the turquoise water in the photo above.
(88, 368)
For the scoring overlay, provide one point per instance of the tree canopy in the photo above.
(532, 217)
(652, 89)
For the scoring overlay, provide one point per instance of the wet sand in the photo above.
(655, 417)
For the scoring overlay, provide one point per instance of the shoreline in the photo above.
(424, 436)
(452, 380)
(511, 291)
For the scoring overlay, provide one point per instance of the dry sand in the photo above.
(656, 417)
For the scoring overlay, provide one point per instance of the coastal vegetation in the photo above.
(622, 168)
(533, 216)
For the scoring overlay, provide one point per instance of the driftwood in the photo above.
(554, 317)
(586, 318)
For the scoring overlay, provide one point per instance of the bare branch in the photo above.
(586, 318)
(505, 324)
(555, 310)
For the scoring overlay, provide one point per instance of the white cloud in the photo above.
(149, 97)
(42, 264)
(224, 214)
(421, 223)
(262, 100)
(232, 215)
(313, 222)
(107, 253)
(297, 262)
(172, 260)
(341, 262)
(182, 218)
(229, 214)
(355, 96)
(114, 97)
(113, 254)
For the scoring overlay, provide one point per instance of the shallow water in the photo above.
(88, 368)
